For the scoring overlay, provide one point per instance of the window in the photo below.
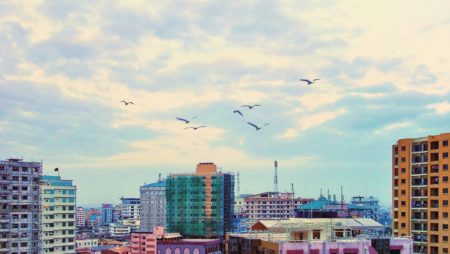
(403, 148)
(445, 215)
(445, 191)
(445, 167)
(403, 159)
(403, 203)
(445, 202)
(403, 170)
(445, 143)
(444, 226)
(403, 181)
(403, 214)
(403, 225)
(445, 155)
(445, 179)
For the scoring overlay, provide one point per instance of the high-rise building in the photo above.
(153, 205)
(129, 209)
(19, 206)
(58, 200)
(200, 204)
(420, 188)
(81, 217)
(107, 214)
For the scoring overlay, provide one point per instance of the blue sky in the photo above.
(66, 65)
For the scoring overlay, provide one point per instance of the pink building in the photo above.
(143, 243)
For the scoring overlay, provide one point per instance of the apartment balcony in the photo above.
(419, 172)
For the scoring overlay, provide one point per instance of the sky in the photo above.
(66, 65)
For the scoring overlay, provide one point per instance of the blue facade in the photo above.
(107, 214)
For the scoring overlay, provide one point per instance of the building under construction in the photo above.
(19, 206)
(200, 204)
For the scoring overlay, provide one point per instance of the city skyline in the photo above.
(66, 66)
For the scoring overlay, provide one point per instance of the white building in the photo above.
(153, 205)
(57, 215)
(81, 217)
(86, 243)
(119, 230)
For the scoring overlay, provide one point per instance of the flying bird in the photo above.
(127, 102)
(195, 128)
(309, 81)
(186, 120)
(257, 127)
(239, 112)
(251, 106)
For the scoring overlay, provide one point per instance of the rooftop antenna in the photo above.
(159, 179)
(275, 178)
(342, 198)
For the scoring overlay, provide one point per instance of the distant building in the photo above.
(323, 207)
(271, 205)
(143, 243)
(130, 208)
(200, 204)
(190, 246)
(81, 217)
(19, 206)
(153, 205)
(420, 191)
(83, 243)
(93, 217)
(57, 215)
(107, 214)
(119, 231)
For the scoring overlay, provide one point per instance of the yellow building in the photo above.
(420, 192)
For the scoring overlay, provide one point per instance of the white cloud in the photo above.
(313, 120)
(440, 108)
(393, 126)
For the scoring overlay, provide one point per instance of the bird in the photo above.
(239, 112)
(250, 106)
(126, 103)
(186, 120)
(195, 128)
(309, 81)
(257, 127)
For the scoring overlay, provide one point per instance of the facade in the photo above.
(107, 214)
(58, 220)
(190, 246)
(143, 243)
(81, 217)
(200, 204)
(19, 206)
(129, 209)
(420, 192)
(119, 231)
(93, 217)
(83, 243)
(271, 205)
(153, 205)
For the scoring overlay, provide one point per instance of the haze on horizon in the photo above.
(66, 65)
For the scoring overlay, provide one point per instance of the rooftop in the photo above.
(157, 184)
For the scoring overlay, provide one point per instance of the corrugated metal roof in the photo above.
(157, 184)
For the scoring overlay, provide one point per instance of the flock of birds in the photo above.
(239, 112)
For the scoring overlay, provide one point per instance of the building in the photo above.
(420, 188)
(119, 231)
(129, 209)
(315, 236)
(107, 214)
(190, 246)
(200, 204)
(323, 207)
(83, 243)
(93, 217)
(19, 206)
(143, 243)
(81, 217)
(153, 205)
(271, 205)
(58, 200)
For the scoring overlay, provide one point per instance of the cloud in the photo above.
(392, 126)
(440, 108)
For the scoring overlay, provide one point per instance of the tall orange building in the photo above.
(420, 192)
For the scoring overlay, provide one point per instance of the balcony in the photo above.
(419, 205)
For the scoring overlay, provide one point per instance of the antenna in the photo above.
(292, 187)
(159, 179)
(342, 198)
(275, 178)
